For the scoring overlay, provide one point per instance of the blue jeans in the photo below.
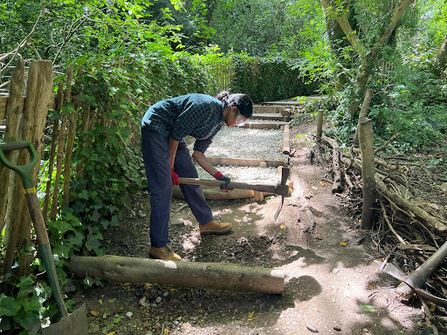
(155, 150)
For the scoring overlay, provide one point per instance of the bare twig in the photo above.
(386, 143)
(25, 40)
(73, 28)
(390, 226)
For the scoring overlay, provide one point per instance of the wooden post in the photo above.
(38, 95)
(366, 137)
(286, 140)
(60, 150)
(224, 276)
(73, 122)
(54, 140)
(14, 110)
(320, 123)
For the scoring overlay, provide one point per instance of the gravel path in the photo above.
(247, 143)
(245, 174)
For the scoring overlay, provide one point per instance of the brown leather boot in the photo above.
(214, 227)
(164, 253)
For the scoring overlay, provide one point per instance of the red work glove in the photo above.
(174, 177)
(221, 177)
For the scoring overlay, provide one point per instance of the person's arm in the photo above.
(208, 167)
(201, 159)
(173, 145)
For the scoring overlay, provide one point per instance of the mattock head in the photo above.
(282, 189)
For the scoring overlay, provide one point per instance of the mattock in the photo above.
(285, 172)
(280, 189)
(414, 282)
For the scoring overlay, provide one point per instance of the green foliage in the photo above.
(414, 108)
(267, 79)
(91, 26)
(24, 307)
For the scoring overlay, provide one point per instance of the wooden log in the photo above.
(212, 193)
(244, 162)
(259, 196)
(271, 117)
(220, 276)
(366, 137)
(286, 140)
(265, 125)
(257, 109)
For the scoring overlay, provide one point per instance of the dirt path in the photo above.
(331, 284)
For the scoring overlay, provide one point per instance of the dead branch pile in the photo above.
(410, 207)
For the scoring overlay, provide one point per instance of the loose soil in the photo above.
(332, 284)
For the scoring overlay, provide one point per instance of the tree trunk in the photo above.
(441, 58)
(363, 113)
(223, 276)
(368, 57)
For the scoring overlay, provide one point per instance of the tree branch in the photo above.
(25, 40)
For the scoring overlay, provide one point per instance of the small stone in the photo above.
(158, 300)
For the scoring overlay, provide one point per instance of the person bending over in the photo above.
(166, 157)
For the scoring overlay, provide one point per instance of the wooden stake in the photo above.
(320, 123)
(39, 88)
(54, 138)
(286, 140)
(73, 122)
(14, 111)
(366, 137)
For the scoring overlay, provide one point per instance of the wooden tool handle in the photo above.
(238, 185)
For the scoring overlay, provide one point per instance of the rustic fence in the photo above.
(222, 73)
(24, 112)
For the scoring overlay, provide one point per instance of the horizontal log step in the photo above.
(265, 125)
(267, 109)
(273, 116)
(248, 162)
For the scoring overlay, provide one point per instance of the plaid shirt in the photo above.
(196, 115)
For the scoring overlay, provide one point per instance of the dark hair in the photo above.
(241, 101)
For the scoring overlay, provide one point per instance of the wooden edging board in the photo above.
(247, 162)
